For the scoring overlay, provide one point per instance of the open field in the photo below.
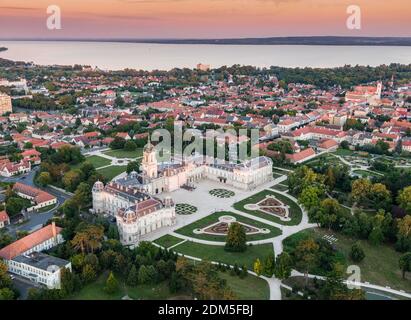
(168, 241)
(112, 171)
(218, 254)
(123, 154)
(249, 288)
(380, 265)
(98, 162)
(95, 291)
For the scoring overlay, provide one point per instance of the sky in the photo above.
(202, 18)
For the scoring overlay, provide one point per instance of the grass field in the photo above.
(204, 222)
(168, 241)
(122, 154)
(367, 173)
(249, 288)
(279, 187)
(218, 254)
(380, 265)
(295, 211)
(95, 291)
(112, 171)
(98, 162)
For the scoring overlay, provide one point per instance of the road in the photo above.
(36, 220)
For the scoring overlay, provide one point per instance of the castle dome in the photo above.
(129, 216)
(98, 186)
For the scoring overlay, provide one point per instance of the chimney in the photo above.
(54, 230)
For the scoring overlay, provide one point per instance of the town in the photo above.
(88, 211)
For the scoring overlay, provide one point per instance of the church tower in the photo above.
(149, 164)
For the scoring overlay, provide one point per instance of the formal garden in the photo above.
(222, 193)
(252, 206)
(215, 228)
(185, 209)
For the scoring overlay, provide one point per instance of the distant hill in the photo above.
(312, 41)
(329, 40)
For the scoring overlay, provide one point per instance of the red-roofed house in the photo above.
(24, 258)
(301, 156)
(38, 197)
(328, 145)
(4, 219)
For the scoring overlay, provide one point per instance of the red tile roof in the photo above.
(39, 195)
(23, 245)
(4, 216)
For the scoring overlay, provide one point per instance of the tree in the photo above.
(357, 253)
(236, 238)
(306, 255)
(258, 268)
(6, 294)
(404, 199)
(68, 284)
(405, 263)
(360, 189)
(283, 266)
(133, 166)
(72, 179)
(310, 197)
(118, 143)
(14, 206)
(404, 227)
(88, 273)
(146, 274)
(111, 284)
(130, 146)
(269, 265)
(44, 179)
(132, 278)
(82, 196)
(88, 239)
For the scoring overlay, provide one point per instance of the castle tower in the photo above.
(98, 201)
(149, 164)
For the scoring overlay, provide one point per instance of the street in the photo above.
(36, 220)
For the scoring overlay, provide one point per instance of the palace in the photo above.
(131, 199)
(137, 213)
(168, 177)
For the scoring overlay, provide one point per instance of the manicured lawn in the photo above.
(95, 291)
(113, 171)
(168, 241)
(280, 187)
(98, 162)
(277, 175)
(367, 174)
(218, 254)
(295, 211)
(344, 152)
(213, 218)
(380, 265)
(249, 288)
(122, 154)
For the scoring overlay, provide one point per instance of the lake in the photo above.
(117, 56)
